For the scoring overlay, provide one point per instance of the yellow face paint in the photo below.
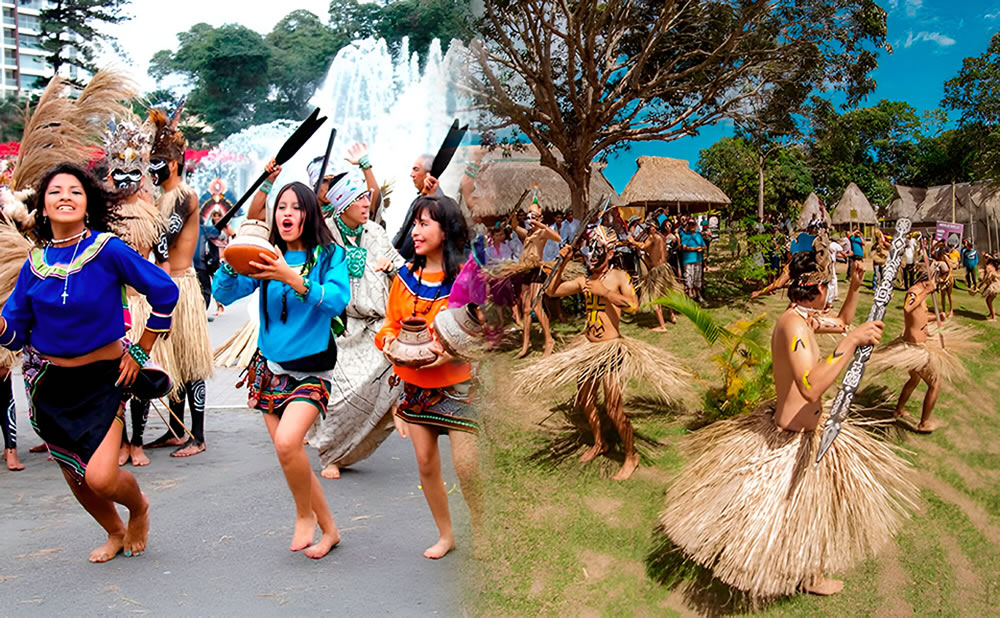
(805, 380)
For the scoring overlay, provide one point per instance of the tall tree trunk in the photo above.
(760, 187)
(580, 194)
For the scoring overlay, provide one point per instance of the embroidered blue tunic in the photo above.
(305, 328)
(92, 315)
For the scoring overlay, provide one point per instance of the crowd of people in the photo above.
(352, 344)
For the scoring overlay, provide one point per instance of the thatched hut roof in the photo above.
(905, 202)
(978, 200)
(812, 209)
(661, 182)
(853, 207)
(499, 182)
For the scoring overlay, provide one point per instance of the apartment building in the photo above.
(23, 59)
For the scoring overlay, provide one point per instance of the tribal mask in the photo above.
(598, 244)
(127, 146)
(159, 170)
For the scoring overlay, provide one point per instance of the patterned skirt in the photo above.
(449, 408)
(271, 393)
(72, 408)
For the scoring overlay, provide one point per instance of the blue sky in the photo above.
(930, 38)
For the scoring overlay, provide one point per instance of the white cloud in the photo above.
(935, 37)
(992, 15)
(912, 6)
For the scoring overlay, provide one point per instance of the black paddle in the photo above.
(448, 148)
(326, 160)
(287, 151)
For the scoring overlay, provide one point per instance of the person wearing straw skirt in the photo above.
(127, 144)
(190, 349)
(923, 354)
(659, 278)
(989, 287)
(751, 506)
(602, 356)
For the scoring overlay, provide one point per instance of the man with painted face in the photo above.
(127, 145)
(190, 350)
(603, 356)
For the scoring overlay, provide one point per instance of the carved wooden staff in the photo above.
(930, 274)
(849, 386)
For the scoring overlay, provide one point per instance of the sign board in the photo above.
(951, 233)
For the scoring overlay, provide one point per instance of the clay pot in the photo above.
(251, 240)
(412, 348)
(460, 332)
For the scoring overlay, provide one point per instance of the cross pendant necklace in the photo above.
(65, 292)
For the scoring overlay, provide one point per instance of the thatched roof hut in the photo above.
(812, 210)
(499, 182)
(853, 208)
(905, 202)
(661, 182)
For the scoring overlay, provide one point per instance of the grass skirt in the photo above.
(239, 349)
(623, 358)
(139, 310)
(990, 285)
(928, 359)
(751, 506)
(657, 283)
(191, 352)
(8, 359)
(139, 224)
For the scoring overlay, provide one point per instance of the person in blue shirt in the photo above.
(857, 250)
(302, 292)
(65, 314)
(692, 248)
(970, 260)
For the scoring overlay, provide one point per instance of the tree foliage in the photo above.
(228, 68)
(973, 93)
(581, 79)
(70, 31)
(731, 164)
(302, 48)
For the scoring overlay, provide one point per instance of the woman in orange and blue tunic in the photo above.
(437, 398)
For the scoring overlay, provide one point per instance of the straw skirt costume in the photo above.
(751, 506)
(60, 307)
(928, 359)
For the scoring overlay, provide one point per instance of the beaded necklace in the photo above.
(356, 254)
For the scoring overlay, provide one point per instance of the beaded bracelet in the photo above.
(303, 295)
(364, 163)
(226, 268)
(266, 187)
(138, 354)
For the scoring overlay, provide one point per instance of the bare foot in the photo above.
(929, 426)
(109, 550)
(547, 351)
(330, 472)
(305, 530)
(524, 352)
(631, 463)
(439, 549)
(38, 448)
(899, 414)
(592, 453)
(165, 440)
(193, 447)
(123, 454)
(672, 318)
(992, 318)
(660, 329)
(824, 587)
(326, 543)
(138, 529)
(138, 456)
(13, 463)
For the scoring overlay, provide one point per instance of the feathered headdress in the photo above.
(824, 266)
(128, 143)
(64, 130)
(170, 143)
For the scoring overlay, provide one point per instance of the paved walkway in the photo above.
(221, 524)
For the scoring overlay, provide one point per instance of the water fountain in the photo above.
(371, 97)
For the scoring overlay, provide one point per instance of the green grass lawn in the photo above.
(563, 539)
